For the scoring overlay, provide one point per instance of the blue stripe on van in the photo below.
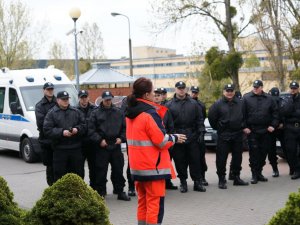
(13, 117)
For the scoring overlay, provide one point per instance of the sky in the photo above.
(55, 13)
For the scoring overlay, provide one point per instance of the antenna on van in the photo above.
(4, 69)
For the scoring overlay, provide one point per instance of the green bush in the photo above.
(69, 201)
(10, 213)
(290, 214)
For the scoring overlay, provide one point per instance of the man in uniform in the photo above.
(41, 110)
(65, 126)
(107, 131)
(164, 95)
(226, 116)
(88, 150)
(290, 109)
(194, 95)
(261, 118)
(188, 120)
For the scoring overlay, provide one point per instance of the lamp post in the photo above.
(75, 14)
(130, 49)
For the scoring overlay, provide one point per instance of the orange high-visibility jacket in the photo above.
(148, 143)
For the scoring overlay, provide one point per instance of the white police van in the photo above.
(20, 90)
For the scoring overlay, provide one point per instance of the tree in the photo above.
(15, 43)
(170, 12)
(251, 61)
(91, 42)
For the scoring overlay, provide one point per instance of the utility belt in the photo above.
(292, 125)
(259, 129)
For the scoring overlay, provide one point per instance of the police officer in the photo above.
(188, 120)
(290, 109)
(169, 126)
(226, 116)
(164, 95)
(277, 134)
(41, 110)
(107, 131)
(88, 150)
(261, 119)
(194, 95)
(65, 126)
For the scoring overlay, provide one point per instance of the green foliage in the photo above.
(69, 202)
(295, 75)
(10, 213)
(295, 30)
(252, 61)
(290, 214)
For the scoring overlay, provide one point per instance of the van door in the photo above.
(3, 136)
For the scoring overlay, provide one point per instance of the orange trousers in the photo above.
(151, 196)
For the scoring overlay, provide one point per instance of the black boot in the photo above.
(295, 176)
(170, 185)
(261, 178)
(122, 196)
(239, 182)
(183, 186)
(254, 179)
(230, 176)
(198, 186)
(203, 180)
(222, 182)
(131, 191)
(275, 171)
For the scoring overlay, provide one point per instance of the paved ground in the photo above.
(251, 205)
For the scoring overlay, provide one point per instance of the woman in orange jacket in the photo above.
(148, 145)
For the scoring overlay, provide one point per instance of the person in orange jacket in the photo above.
(148, 145)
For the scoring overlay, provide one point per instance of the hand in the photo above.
(247, 131)
(118, 141)
(103, 143)
(270, 129)
(67, 133)
(74, 131)
(181, 138)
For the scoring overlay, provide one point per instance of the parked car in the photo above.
(210, 136)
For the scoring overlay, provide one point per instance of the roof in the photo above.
(101, 73)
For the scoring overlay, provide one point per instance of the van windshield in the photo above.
(32, 95)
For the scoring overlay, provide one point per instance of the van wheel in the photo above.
(27, 152)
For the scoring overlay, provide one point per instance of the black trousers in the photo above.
(47, 159)
(292, 142)
(67, 161)
(115, 158)
(259, 146)
(187, 155)
(203, 164)
(272, 155)
(89, 154)
(224, 146)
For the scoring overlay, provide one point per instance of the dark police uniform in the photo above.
(67, 153)
(41, 110)
(108, 124)
(227, 118)
(88, 149)
(195, 89)
(260, 112)
(188, 120)
(290, 109)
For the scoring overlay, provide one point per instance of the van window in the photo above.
(2, 95)
(13, 97)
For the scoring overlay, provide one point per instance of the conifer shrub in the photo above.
(69, 201)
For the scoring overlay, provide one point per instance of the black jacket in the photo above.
(41, 110)
(226, 116)
(290, 109)
(202, 107)
(187, 117)
(108, 124)
(168, 122)
(58, 120)
(260, 112)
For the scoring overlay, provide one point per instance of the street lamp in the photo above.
(75, 14)
(130, 50)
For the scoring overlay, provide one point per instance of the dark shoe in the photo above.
(254, 179)
(230, 176)
(198, 186)
(183, 187)
(222, 182)
(275, 173)
(131, 192)
(122, 196)
(170, 185)
(204, 182)
(292, 171)
(239, 182)
(261, 178)
(295, 176)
